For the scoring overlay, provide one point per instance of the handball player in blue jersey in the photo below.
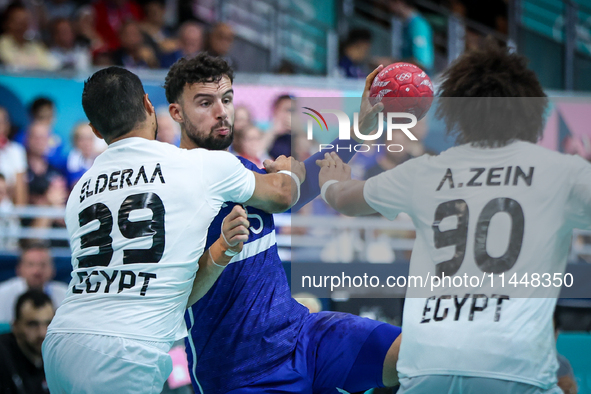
(246, 333)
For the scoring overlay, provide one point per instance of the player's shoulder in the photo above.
(417, 162)
(176, 154)
(218, 158)
(165, 149)
(553, 157)
(522, 149)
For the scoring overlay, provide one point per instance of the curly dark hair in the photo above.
(489, 98)
(201, 68)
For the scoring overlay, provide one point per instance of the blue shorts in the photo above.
(334, 351)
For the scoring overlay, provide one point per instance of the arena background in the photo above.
(555, 35)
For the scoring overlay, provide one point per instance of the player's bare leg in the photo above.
(390, 375)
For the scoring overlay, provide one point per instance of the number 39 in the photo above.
(130, 230)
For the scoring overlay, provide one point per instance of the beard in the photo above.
(210, 141)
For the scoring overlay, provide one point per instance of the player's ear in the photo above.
(175, 112)
(148, 105)
(96, 132)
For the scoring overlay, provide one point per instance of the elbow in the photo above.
(283, 201)
(284, 197)
(342, 207)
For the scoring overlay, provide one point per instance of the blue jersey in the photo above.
(247, 324)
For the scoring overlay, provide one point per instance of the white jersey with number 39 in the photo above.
(138, 222)
(485, 213)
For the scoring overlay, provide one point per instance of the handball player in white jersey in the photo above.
(138, 221)
(497, 189)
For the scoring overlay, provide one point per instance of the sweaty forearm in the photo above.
(347, 198)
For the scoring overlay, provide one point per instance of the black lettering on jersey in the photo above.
(459, 305)
(81, 276)
(427, 309)
(113, 179)
(147, 276)
(508, 175)
(157, 171)
(447, 177)
(126, 175)
(122, 284)
(492, 175)
(84, 190)
(141, 173)
(474, 308)
(89, 191)
(520, 174)
(500, 299)
(437, 305)
(88, 284)
(110, 280)
(103, 186)
(479, 172)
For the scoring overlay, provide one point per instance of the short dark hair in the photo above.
(37, 297)
(113, 101)
(39, 103)
(202, 68)
(483, 79)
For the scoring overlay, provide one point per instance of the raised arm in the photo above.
(339, 190)
(218, 256)
(368, 122)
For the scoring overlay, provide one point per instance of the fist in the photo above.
(283, 163)
(235, 228)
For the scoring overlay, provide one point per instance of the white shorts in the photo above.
(97, 364)
(452, 384)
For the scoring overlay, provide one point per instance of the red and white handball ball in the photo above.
(402, 87)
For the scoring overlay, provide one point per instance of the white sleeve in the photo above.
(578, 204)
(227, 178)
(390, 192)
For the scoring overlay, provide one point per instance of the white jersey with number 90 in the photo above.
(484, 217)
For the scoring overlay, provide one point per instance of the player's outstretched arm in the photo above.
(368, 122)
(279, 189)
(218, 256)
(339, 190)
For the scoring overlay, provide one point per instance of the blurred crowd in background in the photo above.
(77, 35)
